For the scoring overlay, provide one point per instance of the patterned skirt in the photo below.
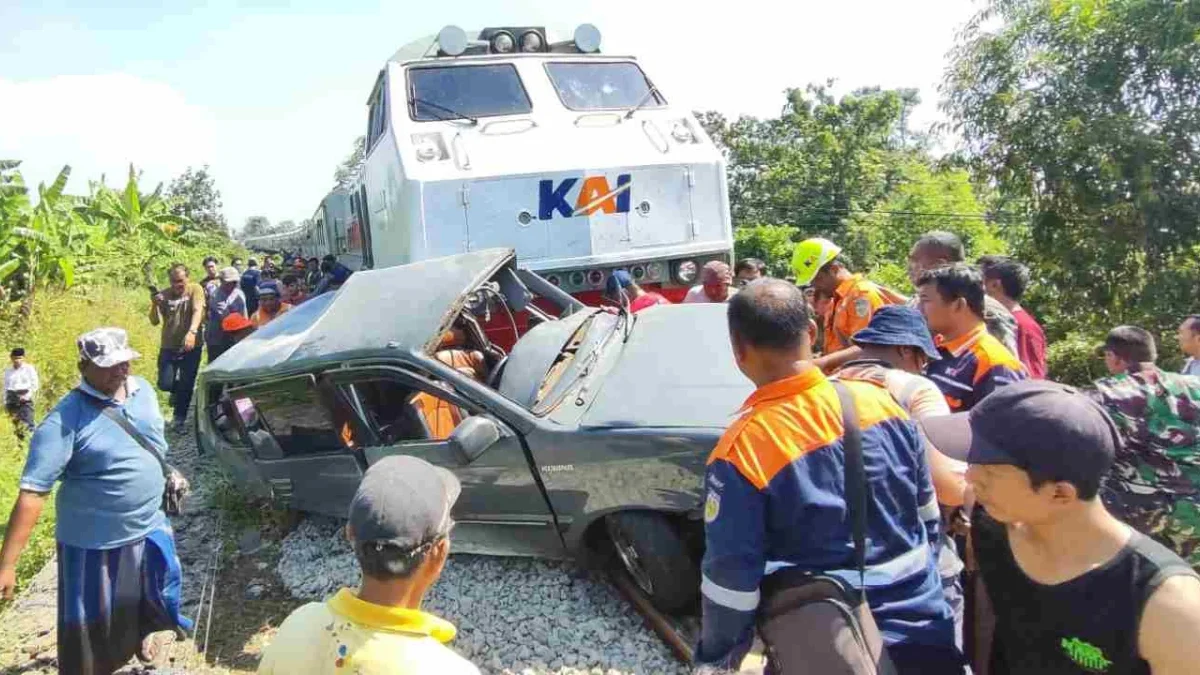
(109, 600)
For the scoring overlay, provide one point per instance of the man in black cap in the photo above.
(1074, 589)
(20, 386)
(399, 529)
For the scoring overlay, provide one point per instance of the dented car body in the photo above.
(592, 412)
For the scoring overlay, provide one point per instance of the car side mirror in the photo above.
(472, 437)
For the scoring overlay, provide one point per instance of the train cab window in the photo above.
(377, 117)
(602, 86)
(458, 92)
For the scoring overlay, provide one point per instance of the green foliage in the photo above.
(347, 172)
(772, 244)
(255, 226)
(1084, 113)
(194, 195)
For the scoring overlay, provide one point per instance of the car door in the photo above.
(501, 509)
(304, 440)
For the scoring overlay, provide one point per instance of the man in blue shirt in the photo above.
(118, 575)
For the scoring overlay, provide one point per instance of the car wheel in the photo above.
(651, 550)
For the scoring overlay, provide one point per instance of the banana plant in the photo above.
(128, 212)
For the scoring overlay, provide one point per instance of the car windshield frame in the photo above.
(658, 99)
(440, 114)
(581, 364)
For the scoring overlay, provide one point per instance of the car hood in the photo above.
(676, 370)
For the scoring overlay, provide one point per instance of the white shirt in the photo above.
(24, 378)
(697, 294)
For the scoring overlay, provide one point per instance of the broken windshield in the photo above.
(602, 86)
(468, 91)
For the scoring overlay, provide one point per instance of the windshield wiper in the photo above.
(457, 115)
(650, 93)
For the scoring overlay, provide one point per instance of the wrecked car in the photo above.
(590, 433)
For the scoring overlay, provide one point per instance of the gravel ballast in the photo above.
(514, 615)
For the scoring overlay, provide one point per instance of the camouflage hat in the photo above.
(105, 347)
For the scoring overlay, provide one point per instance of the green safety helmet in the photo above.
(810, 256)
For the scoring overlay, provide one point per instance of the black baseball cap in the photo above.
(17, 351)
(1034, 425)
(403, 501)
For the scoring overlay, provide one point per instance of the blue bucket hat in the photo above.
(898, 326)
(617, 281)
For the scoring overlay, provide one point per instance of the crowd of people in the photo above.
(910, 452)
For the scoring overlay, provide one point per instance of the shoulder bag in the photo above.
(177, 487)
(813, 623)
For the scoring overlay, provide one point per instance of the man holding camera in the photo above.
(180, 309)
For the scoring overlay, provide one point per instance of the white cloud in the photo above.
(99, 124)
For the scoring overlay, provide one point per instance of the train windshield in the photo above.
(439, 93)
(602, 86)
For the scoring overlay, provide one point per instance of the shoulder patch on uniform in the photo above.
(712, 506)
(862, 307)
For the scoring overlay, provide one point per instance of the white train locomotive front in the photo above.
(574, 159)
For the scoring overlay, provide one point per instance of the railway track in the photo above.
(678, 632)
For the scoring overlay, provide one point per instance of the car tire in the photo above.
(650, 548)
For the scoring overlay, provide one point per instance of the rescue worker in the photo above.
(1155, 483)
(853, 298)
(716, 284)
(937, 249)
(270, 304)
(1074, 590)
(775, 501)
(974, 363)
(896, 346)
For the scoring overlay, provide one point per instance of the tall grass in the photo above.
(49, 340)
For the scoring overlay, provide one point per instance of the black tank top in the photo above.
(1086, 625)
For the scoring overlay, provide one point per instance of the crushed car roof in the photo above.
(376, 313)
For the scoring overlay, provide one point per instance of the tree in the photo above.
(1085, 112)
(195, 196)
(822, 160)
(284, 226)
(256, 226)
(348, 171)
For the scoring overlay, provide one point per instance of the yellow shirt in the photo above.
(347, 635)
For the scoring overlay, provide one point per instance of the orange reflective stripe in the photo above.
(793, 417)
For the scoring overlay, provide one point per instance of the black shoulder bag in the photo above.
(816, 623)
(177, 487)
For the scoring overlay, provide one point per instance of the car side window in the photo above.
(303, 418)
(404, 414)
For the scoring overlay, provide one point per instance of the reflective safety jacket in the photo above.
(972, 366)
(775, 499)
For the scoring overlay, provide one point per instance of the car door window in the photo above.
(303, 418)
(402, 414)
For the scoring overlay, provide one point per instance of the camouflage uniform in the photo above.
(1155, 482)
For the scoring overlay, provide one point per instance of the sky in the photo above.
(271, 95)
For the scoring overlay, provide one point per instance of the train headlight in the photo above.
(452, 41)
(685, 272)
(682, 131)
(429, 147)
(503, 43)
(587, 38)
(531, 41)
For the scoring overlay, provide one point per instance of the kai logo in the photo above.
(595, 195)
